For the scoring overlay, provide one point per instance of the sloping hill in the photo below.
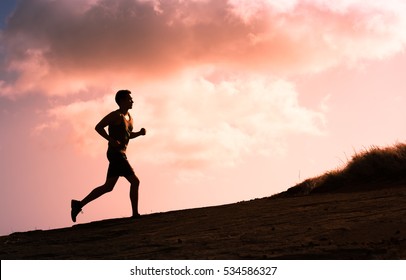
(363, 225)
(358, 212)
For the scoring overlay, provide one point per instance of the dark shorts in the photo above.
(119, 165)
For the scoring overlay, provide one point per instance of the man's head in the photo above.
(122, 95)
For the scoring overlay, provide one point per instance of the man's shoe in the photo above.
(76, 208)
(136, 216)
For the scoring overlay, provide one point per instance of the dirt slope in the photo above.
(358, 225)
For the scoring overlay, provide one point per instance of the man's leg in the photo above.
(135, 183)
(97, 192)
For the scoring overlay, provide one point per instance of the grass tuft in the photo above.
(365, 168)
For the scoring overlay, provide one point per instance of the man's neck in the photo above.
(123, 111)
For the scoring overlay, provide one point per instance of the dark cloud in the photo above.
(123, 34)
(79, 39)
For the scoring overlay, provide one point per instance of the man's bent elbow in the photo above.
(99, 128)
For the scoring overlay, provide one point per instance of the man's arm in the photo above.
(139, 133)
(111, 118)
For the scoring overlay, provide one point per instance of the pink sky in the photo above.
(240, 99)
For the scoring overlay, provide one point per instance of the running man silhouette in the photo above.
(120, 126)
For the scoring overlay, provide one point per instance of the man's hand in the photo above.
(139, 133)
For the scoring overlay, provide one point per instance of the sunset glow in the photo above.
(240, 99)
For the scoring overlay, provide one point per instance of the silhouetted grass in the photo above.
(361, 172)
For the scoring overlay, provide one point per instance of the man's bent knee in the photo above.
(134, 181)
(109, 185)
(106, 188)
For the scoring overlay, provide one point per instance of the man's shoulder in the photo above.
(115, 113)
(114, 116)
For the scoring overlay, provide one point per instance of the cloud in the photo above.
(77, 120)
(201, 120)
(209, 72)
(72, 46)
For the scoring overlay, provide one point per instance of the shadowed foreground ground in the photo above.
(363, 225)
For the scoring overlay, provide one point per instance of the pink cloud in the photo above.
(207, 71)
(195, 122)
(78, 46)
